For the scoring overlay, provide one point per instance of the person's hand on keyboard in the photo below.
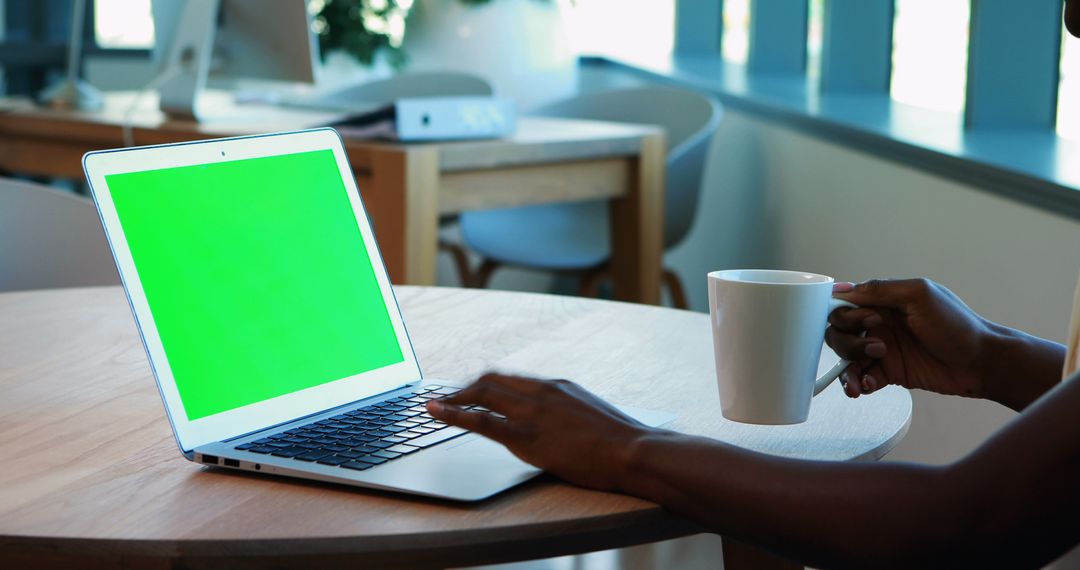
(553, 424)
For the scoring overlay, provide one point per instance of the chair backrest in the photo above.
(689, 119)
(50, 239)
(421, 84)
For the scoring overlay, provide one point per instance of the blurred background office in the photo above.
(859, 138)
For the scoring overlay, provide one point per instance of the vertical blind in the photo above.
(1002, 63)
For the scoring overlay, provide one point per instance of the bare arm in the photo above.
(1012, 503)
(1019, 367)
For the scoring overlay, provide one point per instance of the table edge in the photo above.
(498, 544)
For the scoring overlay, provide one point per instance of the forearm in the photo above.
(822, 514)
(1019, 368)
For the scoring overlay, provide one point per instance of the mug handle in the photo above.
(823, 382)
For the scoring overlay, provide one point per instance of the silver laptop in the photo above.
(270, 322)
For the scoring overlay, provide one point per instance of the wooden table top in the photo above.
(92, 473)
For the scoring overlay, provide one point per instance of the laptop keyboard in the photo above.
(363, 438)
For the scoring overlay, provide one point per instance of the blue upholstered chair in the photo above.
(576, 237)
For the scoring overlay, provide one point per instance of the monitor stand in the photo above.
(188, 62)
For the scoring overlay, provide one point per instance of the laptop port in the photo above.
(232, 463)
(210, 459)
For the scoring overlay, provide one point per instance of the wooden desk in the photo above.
(92, 476)
(407, 186)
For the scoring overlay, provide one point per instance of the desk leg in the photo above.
(637, 227)
(400, 190)
(739, 555)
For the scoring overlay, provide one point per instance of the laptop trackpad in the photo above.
(467, 468)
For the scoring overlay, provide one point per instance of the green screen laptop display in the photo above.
(257, 277)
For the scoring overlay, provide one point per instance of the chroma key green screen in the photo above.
(257, 277)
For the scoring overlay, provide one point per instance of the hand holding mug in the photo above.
(918, 334)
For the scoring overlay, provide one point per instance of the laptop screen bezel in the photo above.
(259, 415)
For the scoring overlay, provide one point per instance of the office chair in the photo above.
(576, 237)
(50, 239)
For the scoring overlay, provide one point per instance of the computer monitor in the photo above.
(265, 39)
(228, 40)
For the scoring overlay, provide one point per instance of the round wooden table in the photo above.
(92, 476)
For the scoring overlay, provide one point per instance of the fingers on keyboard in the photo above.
(366, 437)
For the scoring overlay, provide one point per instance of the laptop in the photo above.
(270, 323)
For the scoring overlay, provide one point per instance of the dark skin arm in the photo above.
(1011, 503)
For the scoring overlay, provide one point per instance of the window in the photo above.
(123, 24)
(629, 28)
(930, 45)
(1068, 121)
(33, 50)
(736, 35)
(814, 39)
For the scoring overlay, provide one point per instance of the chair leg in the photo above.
(591, 280)
(461, 261)
(674, 284)
(483, 275)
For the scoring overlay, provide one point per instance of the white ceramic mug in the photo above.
(768, 327)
